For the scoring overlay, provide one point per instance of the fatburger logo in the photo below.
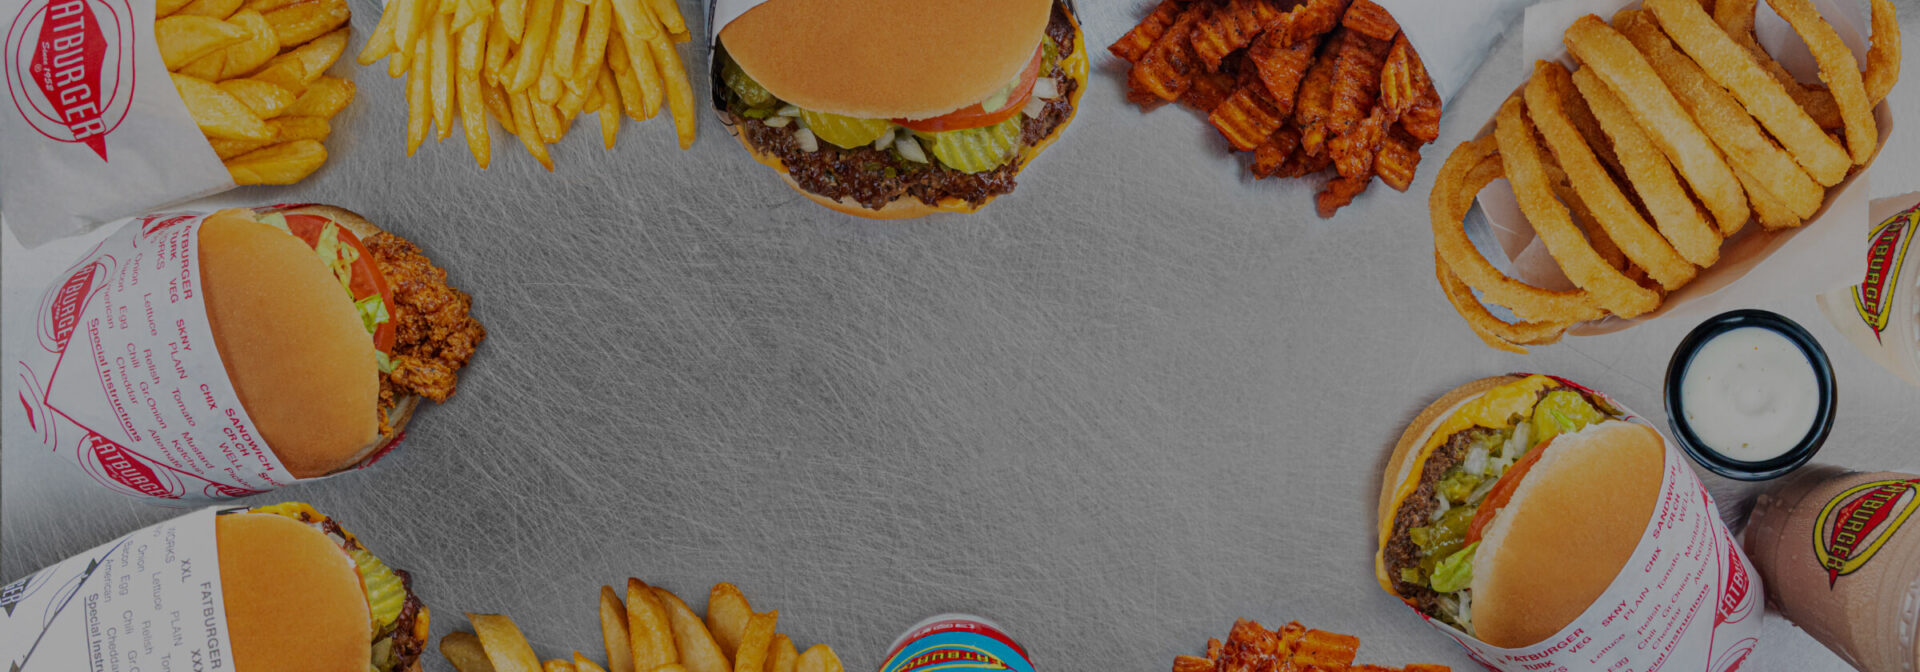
(1857, 522)
(69, 71)
(1885, 256)
(951, 657)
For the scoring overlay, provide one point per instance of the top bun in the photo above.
(884, 59)
(1567, 531)
(294, 601)
(300, 360)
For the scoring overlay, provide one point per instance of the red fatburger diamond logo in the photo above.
(69, 69)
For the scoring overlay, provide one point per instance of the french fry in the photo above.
(505, 646)
(566, 41)
(533, 46)
(635, 18)
(287, 129)
(638, 66)
(440, 87)
(547, 89)
(265, 100)
(569, 106)
(609, 108)
(184, 39)
(208, 67)
(558, 666)
(781, 655)
(408, 26)
(613, 627)
(502, 108)
(546, 121)
(473, 112)
(227, 149)
(317, 56)
(513, 17)
(164, 8)
(671, 667)
(288, 74)
(219, 9)
(679, 90)
(756, 643)
(698, 651)
(418, 112)
(648, 621)
(324, 98)
(284, 163)
(297, 24)
(218, 113)
(727, 616)
(499, 49)
(464, 651)
(260, 46)
(380, 43)
(264, 6)
(593, 47)
(584, 664)
(667, 13)
(820, 658)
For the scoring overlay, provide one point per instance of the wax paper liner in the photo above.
(1755, 265)
(1879, 315)
(1687, 599)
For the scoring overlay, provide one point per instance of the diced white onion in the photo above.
(1035, 107)
(808, 143)
(777, 121)
(1466, 607)
(910, 149)
(1046, 88)
(789, 111)
(885, 140)
(1476, 462)
(1440, 510)
(1522, 435)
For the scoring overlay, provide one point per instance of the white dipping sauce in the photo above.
(1750, 394)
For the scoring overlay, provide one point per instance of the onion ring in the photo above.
(1764, 98)
(1883, 59)
(1611, 210)
(1723, 119)
(1495, 332)
(1841, 73)
(1773, 214)
(1520, 154)
(1447, 207)
(1609, 54)
(1653, 179)
(1736, 18)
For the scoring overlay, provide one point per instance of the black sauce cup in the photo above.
(1739, 469)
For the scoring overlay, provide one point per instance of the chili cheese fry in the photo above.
(1369, 18)
(1135, 43)
(1246, 118)
(1167, 69)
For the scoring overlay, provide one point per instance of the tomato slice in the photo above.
(974, 116)
(1502, 491)
(366, 279)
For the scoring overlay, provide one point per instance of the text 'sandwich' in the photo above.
(303, 595)
(331, 329)
(1511, 504)
(900, 108)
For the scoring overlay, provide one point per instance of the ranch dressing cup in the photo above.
(955, 641)
(1839, 553)
(1750, 395)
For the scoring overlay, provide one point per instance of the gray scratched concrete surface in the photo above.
(1139, 398)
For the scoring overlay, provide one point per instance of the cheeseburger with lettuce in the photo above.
(1512, 503)
(899, 108)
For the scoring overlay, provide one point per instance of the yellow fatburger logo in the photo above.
(1874, 295)
(952, 657)
(1857, 522)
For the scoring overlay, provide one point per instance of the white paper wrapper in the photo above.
(1688, 598)
(95, 130)
(126, 383)
(1755, 265)
(1879, 315)
(150, 600)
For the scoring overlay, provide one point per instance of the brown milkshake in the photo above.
(1839, 554)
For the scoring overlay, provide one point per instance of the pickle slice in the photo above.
(977, 150)
(742, 85)
(846, 132)
(385, 593)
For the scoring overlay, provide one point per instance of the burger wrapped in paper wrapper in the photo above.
(1755, 265)
(191, 357)
(1879, 315)
(278, 588)
(1543, 526)
(96, 130)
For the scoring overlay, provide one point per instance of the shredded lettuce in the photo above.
(1456, 572)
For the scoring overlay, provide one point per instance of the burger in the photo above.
(331, 329)
(1510, 505)
(899, 108)
(303, 595)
